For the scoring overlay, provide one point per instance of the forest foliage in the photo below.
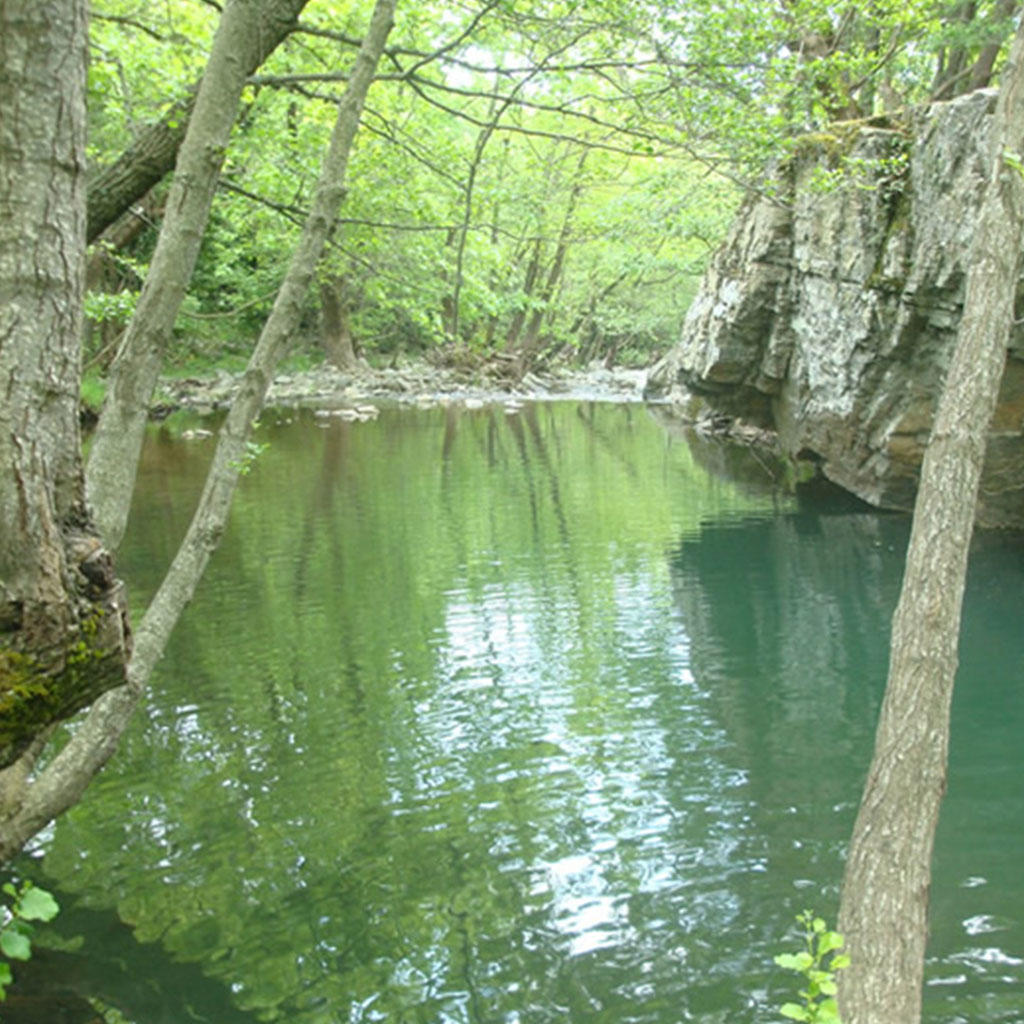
(543, 179)
(538, 179)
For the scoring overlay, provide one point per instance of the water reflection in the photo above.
(482, 718)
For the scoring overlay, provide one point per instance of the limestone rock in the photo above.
(831, 313)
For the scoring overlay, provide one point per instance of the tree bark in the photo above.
(981, 70)
(62, 639)
(113, 189)
(64, 780)
(143, 165)
(238, 42)
(335, 325)
(884, 911)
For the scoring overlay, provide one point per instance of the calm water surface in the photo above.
(489, 719)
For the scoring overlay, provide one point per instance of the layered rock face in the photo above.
(831, 312)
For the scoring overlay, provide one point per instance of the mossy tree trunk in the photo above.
(62, 634)
(884, 912)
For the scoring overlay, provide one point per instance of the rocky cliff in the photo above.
(831, 310)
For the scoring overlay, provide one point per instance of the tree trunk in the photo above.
(884, 912)
(64, 779)
(106, 274)
(981, 71)
(62, 641)
(954, 67)
(531, 338)
(497, 112)
(335, 326)
(515, 328)
(113, 189)
(118, 440)
(143, 165)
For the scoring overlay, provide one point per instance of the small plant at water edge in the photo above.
(818, 962)
(22, 906)
(253, 450)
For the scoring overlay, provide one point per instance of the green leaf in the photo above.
(37, 905)
(828, 1012)
(1012, 159)
(794, 1012)
(15, 945)
(5, 979)
(829, 941)
(795, 961)
(839, 962)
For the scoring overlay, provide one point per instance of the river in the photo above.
(489, 717)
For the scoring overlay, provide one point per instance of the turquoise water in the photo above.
(517, 718)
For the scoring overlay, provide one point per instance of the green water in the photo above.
(513, 720)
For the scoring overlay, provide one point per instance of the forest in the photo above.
(544, 181)
(503, 186)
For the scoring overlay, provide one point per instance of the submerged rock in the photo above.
(830, 313)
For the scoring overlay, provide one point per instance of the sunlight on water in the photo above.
(484, 719)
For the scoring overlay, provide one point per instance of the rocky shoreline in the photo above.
(830, 317)
(328, 388)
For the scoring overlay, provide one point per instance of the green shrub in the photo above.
(818, 963)
(26, 904)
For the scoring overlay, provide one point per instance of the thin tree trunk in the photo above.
(531, 336)
(528, 346)
(114, 457)
(495, 282)
(149, 159)
(884, 912)
(64, 780)
(62, 640)
(496, 114)
(515, 328)
(950, 78)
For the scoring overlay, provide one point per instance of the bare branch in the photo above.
(416, 152)
(560, 136)
(295, 214)
(458, 40)
(120, 19)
